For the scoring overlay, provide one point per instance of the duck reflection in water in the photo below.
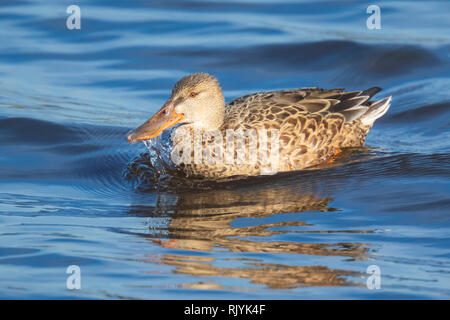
(206, 219)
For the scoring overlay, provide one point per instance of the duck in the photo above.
(306, 127)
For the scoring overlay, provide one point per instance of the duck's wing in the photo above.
(312, 123)
(352, 105)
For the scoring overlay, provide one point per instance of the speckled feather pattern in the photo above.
(313, 124)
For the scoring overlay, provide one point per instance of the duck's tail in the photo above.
(376, 110)
(358, 106)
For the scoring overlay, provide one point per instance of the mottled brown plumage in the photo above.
(313, 124)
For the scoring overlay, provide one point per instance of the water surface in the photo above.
(73, 192)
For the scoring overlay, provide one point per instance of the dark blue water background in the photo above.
(72, 191)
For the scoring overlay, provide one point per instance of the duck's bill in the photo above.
(162, 120)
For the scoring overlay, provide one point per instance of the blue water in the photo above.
(73, 192)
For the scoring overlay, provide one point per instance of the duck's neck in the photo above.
(214, 117)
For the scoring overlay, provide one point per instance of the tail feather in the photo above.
(348, 104)
(354, 113)
(376, 110)
(371, 91)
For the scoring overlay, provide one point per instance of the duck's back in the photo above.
(313, 123)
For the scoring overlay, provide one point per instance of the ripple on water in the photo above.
(73, 191)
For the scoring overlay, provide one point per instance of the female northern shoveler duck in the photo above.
(313, 124)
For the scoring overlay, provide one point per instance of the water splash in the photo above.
(159, 149)
(155, 170)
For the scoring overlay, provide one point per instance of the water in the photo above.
(73, 192)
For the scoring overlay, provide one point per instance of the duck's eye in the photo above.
(193, 94)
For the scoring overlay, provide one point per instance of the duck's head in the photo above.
(195, 99)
